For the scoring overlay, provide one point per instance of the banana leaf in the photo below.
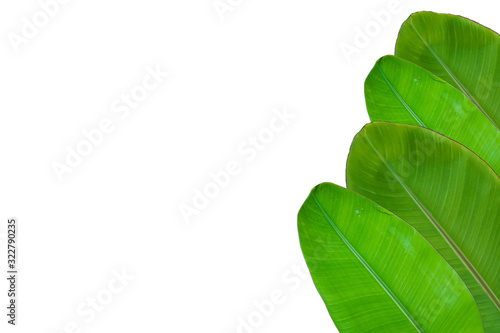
(399, 91)
(375, 272)
(442, 189)
(460, 51)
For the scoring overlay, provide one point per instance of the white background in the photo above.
(119, 208)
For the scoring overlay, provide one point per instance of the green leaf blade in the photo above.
(460, 51)
(442, 189)
(375, 272)
(401, 92)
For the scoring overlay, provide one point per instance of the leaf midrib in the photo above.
(484, 285)
(367, 266)
(452, 75)
(413, 114)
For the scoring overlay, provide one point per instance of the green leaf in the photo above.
(460, 51)
(375, 272)
(401, 92)
(445, 191)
